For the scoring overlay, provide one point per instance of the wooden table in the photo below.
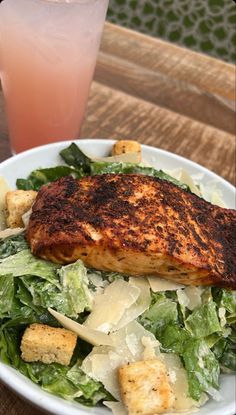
(161, 95)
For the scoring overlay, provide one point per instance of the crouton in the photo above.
(18, 202)
(145, 388)
(47, 344)
(126, 146)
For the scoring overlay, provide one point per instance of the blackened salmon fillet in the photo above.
(136, 225)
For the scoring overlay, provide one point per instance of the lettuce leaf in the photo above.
(79, 164)
(75, 282)
(92, 391)
(225, 351)
(40, 177)
(65, 381)
(203, 321)
(12, 245)
(196, 336)
(71, 297)
(73, 156)
(226, 299)
(7, 292)
(24, 263)
(162, 312)
(127, 168)
(25, 299)
(202, 368)
(173, 338)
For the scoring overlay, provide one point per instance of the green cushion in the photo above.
(203, 25)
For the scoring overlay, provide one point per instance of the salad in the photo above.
(118, 319)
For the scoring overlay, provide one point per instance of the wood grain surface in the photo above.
(184, 81)
(158, 94)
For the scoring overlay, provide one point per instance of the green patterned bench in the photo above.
(203, 25)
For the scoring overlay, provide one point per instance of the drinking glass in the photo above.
(48, 51)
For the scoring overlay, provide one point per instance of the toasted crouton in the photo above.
(145, 388)
(47, 344)
(126, 146)
(18, 202)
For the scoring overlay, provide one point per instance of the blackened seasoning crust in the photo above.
(137, 225)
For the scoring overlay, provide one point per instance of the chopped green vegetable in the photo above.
(162, 312)
(127, 168)
(7, 292)
(173, 338)
(204, 338)
(202, 368)
(24, 263)
(75, 282)
(203, 321)
(40, 177)
(65, 381)
(73, 156)
(12, 245)
(91, 390)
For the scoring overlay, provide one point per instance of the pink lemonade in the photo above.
(47, 59)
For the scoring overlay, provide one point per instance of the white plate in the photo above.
(45, 156)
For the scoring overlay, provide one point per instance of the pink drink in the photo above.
(48, 51)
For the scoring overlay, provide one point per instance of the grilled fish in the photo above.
(136, 225)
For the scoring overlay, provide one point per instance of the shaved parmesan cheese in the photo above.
(194, 296)
(184, 177)
(216, 199)
(128, 341)
(222, 317)
(109, 307)
(4, 188)
(117, 408)
(103, 368)
(94, 337)
(141, 304)
(97, 280)
(130, 344)
(102, 363)
(151, 348)
(10, 232)
(26, 217)
(210, 193)
(182, 298)
(96, 283)
(190, 297)
(159, 284)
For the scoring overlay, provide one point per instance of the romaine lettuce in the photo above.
(65, 381)
(74, 283)
(202, 368)
(127, 168)
(203, 321)
(24, 263)
(12, 245)
(40, 177)
(161, 313)
(7, 292)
